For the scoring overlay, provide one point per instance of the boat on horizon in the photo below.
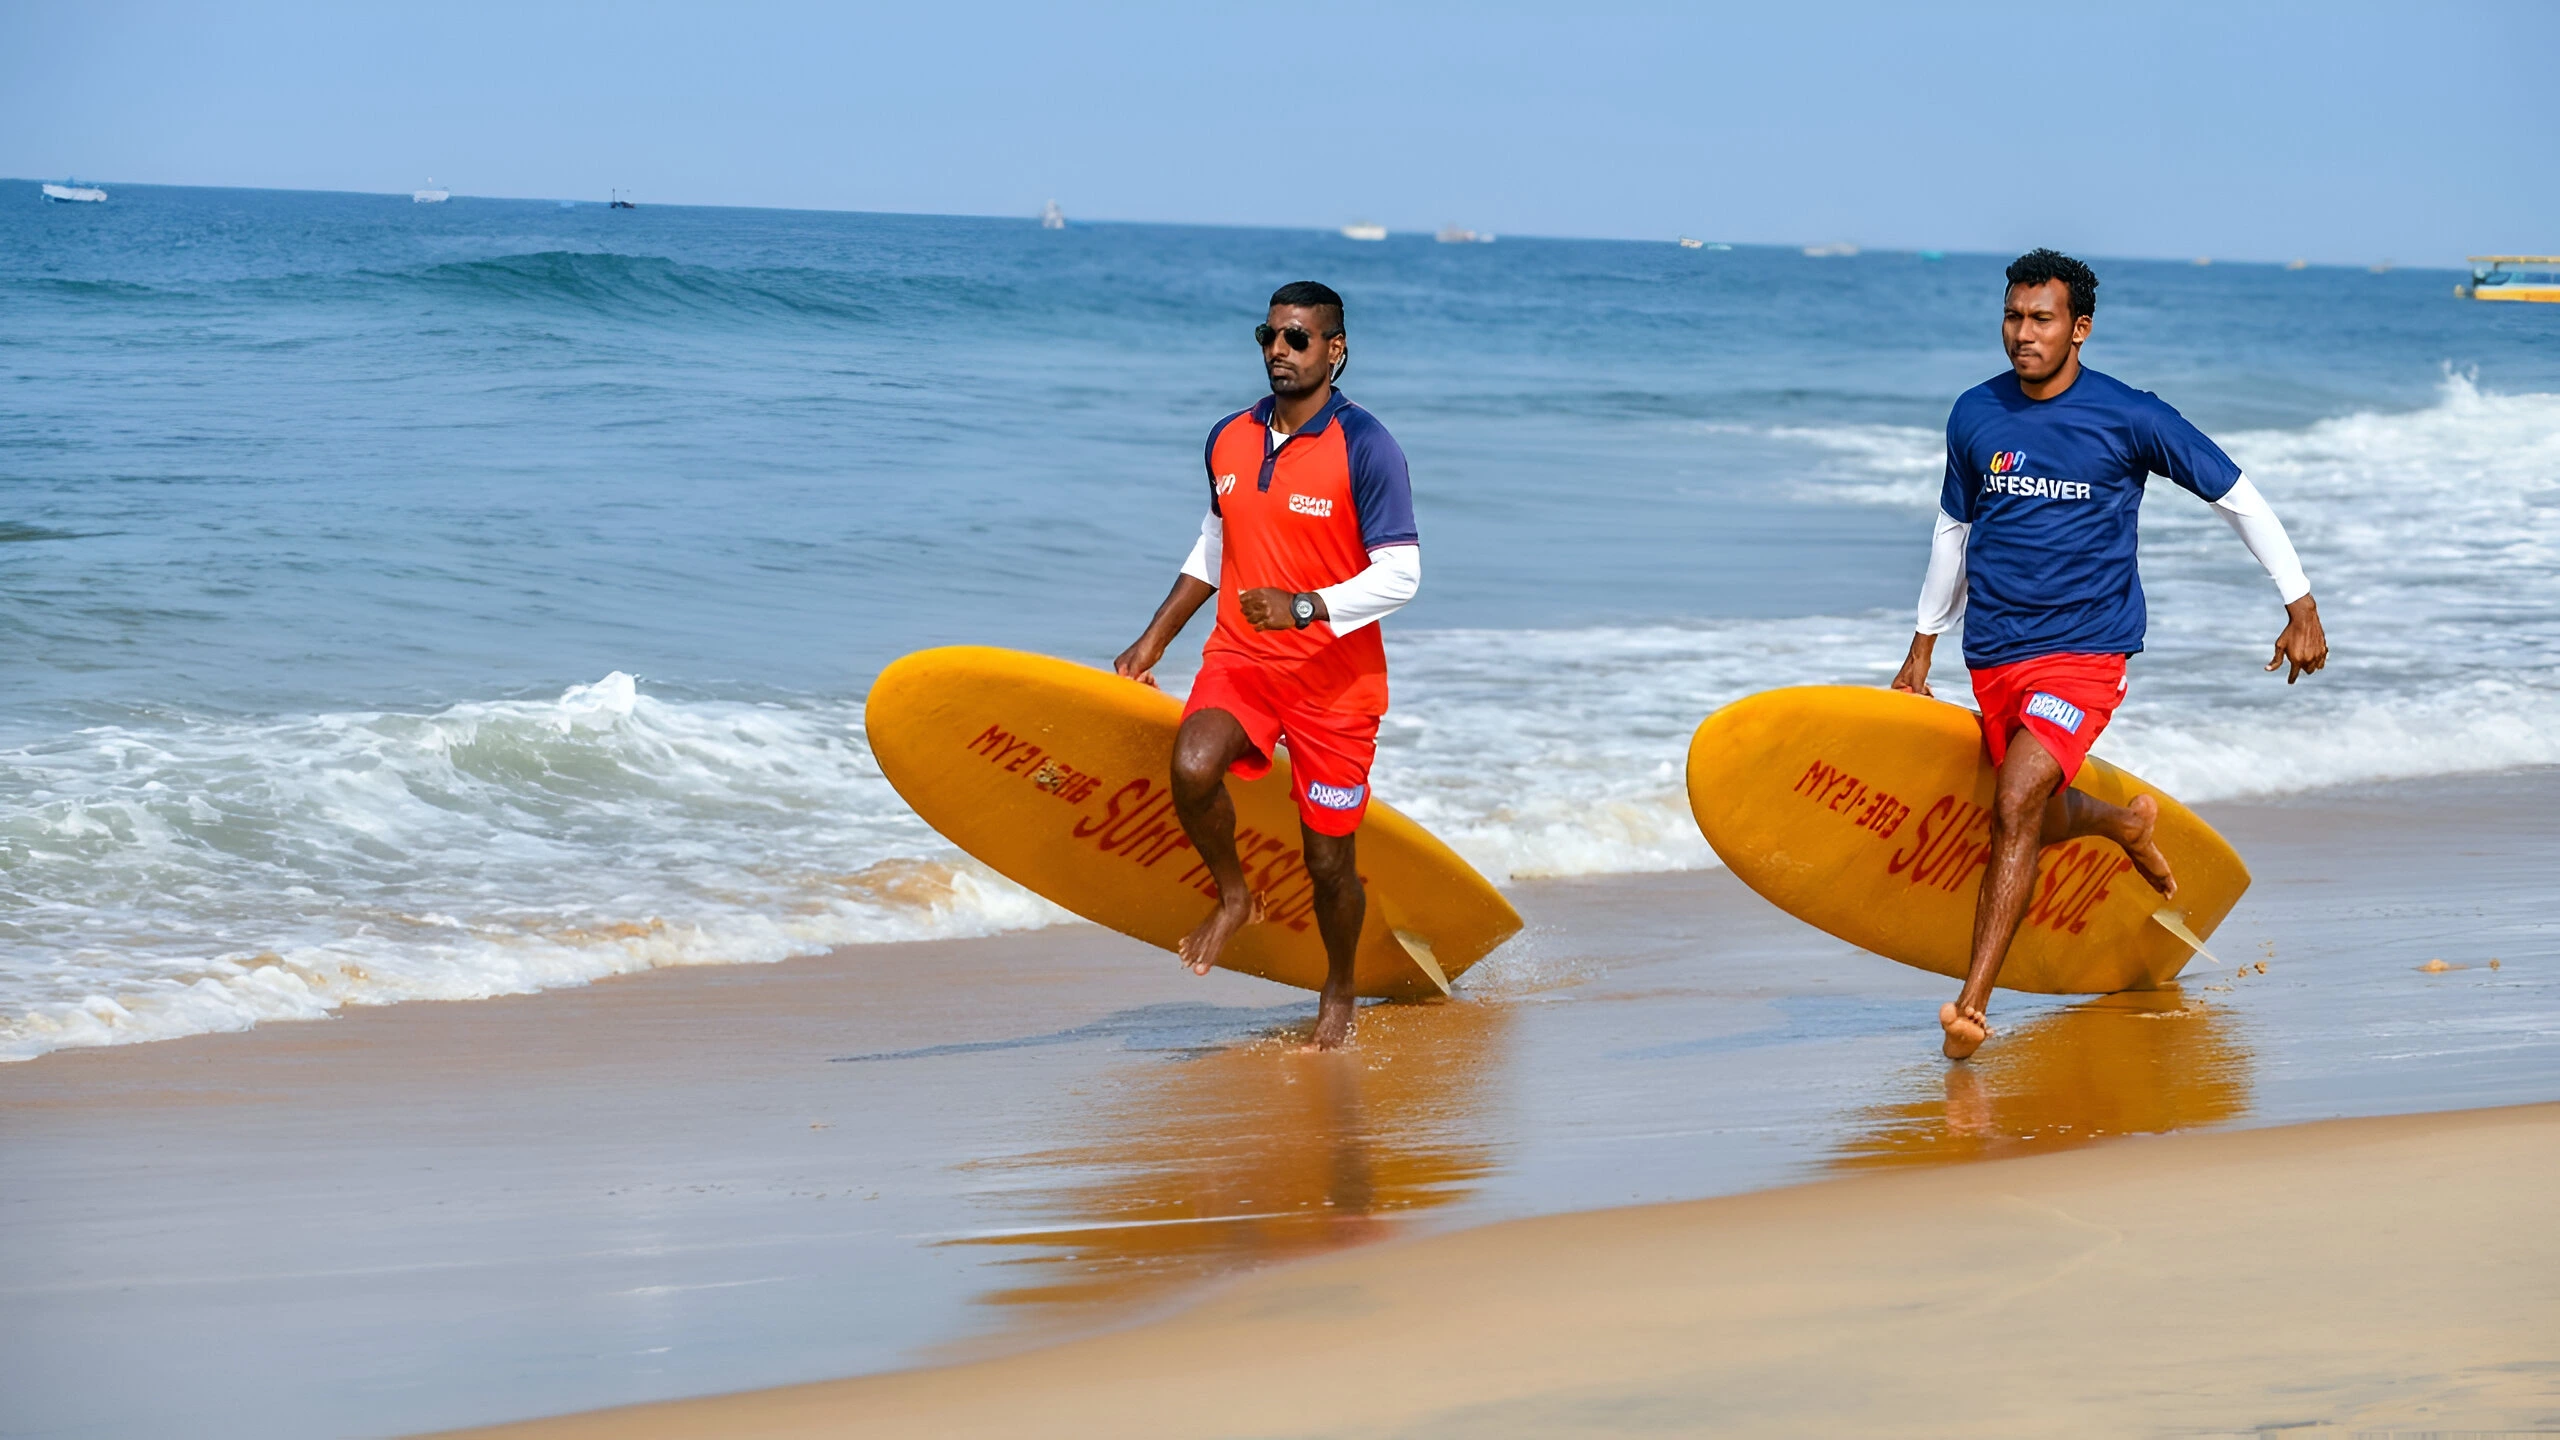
(1837, 249)
(618, 203)
(1688, 244)
(2513, 277)
(1052, 218)
(432, 195)
(1363, 230)
(1461, 235)
(72, 192)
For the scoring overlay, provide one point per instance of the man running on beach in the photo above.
(2035, 546)
(1308, 543)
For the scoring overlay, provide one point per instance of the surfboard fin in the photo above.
(1420, 949)
(2176, 924)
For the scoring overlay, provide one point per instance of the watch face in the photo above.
(1306, 607)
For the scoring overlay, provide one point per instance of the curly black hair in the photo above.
(2040, 265)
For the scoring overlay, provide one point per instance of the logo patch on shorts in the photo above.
(2056, 709)
(1336, 797)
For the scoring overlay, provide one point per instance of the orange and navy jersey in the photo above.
(1303, 517)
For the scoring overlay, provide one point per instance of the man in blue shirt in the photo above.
(2037, 529)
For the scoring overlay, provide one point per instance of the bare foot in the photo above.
(1333, 1021)
(1966, 1030)
(2148, 862)
(1208, 940)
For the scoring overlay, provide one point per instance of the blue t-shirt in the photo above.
(2053, 491)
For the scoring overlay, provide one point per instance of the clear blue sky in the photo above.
(2338, 132)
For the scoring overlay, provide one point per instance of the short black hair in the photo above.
(2040, 265)
(1314, 295)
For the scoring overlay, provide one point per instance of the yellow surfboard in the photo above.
(1055, 775)
(1866, 813)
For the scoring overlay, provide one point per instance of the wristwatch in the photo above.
(1302, 608)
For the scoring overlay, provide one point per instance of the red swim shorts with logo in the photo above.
(2066, 700)
(1329, 750)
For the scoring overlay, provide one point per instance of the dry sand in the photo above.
(2397, 1272)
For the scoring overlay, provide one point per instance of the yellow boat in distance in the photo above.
(2513, 277)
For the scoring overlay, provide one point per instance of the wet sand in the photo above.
(2321, 1278)
(720, 1179)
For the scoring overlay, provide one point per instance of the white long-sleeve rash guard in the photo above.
(2241, 507)
(1393, 578)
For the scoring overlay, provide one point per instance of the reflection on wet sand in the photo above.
(2133, 1064)
(1206, 1164)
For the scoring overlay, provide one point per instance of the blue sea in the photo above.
(441, 601)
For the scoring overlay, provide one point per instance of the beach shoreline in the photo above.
(2318, 1279)
(731, 1178)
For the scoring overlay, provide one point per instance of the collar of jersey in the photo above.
(1263, 407)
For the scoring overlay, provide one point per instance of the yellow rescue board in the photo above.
(1866, 813)
(1055, 776)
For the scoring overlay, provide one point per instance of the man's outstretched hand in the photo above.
(1913, 677)
(2304, 644)
(1138, 662)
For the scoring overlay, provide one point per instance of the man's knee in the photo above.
(1197, 770)
(2027, 779)
(1332, 860)
(1205, 746)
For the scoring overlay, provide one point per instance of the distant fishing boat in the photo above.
(1461, 235)
(431, 195)
(1363, 230)
(618, 203)
(2513, 277)
(73, 192)
(1052, 218)
(1838, 249)
(1688, 244)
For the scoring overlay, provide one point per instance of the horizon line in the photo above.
(2195, 261)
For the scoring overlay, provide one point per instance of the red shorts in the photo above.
(2066, 700)
(1329, 750)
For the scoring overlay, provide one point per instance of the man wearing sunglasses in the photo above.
(1308, 543)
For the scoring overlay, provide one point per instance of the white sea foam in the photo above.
(174, 875)
(210, 875)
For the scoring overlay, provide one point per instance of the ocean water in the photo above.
(446, 601)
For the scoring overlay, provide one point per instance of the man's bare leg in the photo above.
(1333, 863)
(2026, 816)
(1208, 742)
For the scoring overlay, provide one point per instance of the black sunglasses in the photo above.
(1298, 338)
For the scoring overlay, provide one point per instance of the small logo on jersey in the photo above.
(1336, 797)
(1310, 505)
(2006, 462)
(1226, 483)
(2056, 709)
